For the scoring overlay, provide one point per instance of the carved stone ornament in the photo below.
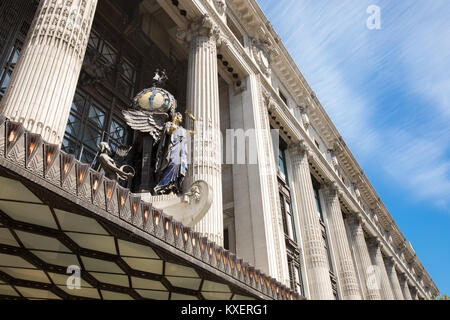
(304, 113)
(261, 53)
(205, 26)
(303, 145)
(221, 6)
(188, 208)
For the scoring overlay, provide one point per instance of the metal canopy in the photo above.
(56, 212)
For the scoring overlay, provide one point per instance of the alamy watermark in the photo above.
(74, 280)
(374, 20)
(232, 147)
(373, 278)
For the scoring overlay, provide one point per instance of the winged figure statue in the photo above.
(154, 113)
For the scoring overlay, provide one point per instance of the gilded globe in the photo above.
(155, 100)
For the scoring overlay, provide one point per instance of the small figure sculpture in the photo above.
(160, 78)
(109, 166)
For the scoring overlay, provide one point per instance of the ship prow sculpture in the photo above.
(163, 155)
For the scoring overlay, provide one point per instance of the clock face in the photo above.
(154, 100)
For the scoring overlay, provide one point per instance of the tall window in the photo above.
(15, 17)
(106, 86)
(287, 215)
(88, 126)
(5, 75)
(282, 163)
(316, 188)
(285, 100)
(295, 275)
(122, 73)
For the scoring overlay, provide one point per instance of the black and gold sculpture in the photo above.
(154, 115)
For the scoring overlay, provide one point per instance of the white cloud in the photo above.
(407, 133)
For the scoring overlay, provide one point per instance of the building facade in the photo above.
(290, 200)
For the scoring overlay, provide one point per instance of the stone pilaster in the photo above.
(381, 273)
(405, 287)
(313, 243)
(346, 271)
(393, 278)
(203, 99)
(43, 83)
(372, 291)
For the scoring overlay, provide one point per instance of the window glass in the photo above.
(108, 53)
(8, 69)
(297, 279)
(318, 206)
(291, 224)
(282, 163)
(283, 97)
(283, 213)
(73, 125)
(78, 103)
(97, 116)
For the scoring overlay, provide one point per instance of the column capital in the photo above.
(375, 242)
(356, 218)
(390, 261)
(333, 189)
(298, 150)
(203, 26)
(304, 147)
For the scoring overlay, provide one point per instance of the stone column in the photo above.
(314, 246)
(203, 99)
(346, 271)
(414, 294)
(362, 254)
(405, 288)
(44, 81)
(393, 278)
(378, 261)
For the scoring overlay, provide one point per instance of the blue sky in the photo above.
(388, 93)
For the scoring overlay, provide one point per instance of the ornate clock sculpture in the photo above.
(154, 115)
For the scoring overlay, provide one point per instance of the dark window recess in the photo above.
(235, 31)
(287, 214)
(5, 75)
(226, 239)
(316, 188)
(282, 163)
(317, 144)
(88, 126)
(11, 58)
(106, 86)
(283, 97)
(295, 275)
(285, 195)
(118, 71)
